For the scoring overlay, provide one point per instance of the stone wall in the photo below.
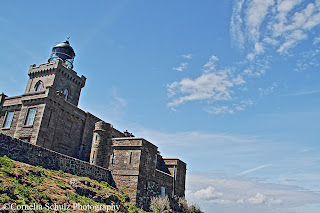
(127, 184)
(39, 156)
(152, 188)
(65, 128)
(20, 106)
(55, 74)
(134, 165)
(177, 169)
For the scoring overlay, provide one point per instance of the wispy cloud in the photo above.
(212, 85)
(255, 169)
(279, 25)
(309, 58)
(262, 29)
(229, 109)
(187, 56)
(303, 93)
(268, 90)
(237, 24)
(181, 67)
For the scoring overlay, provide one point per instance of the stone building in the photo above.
(47, 115)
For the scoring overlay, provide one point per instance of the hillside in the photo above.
(34, 189)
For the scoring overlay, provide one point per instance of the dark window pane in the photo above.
(8, 120)
(31, 115)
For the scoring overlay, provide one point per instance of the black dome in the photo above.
(63, 51)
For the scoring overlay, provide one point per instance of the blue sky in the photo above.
(230, 87)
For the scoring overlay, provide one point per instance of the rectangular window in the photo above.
(8, 120)
(49, 118)
(94, 152)
(30, 116)
(96, 138)
(163, 191)
(130, 159)
(112, 158)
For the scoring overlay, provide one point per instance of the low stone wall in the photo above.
(39, 156)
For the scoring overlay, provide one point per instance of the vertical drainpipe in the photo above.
(174, 175)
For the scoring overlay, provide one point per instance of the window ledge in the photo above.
(5, 128)
(28, 126)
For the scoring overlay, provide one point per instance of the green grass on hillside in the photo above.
(26, 185)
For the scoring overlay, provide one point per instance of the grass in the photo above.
(27, 185)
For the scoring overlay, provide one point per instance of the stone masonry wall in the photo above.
(55, 74)
(177, 169)
(127, 184)
(39, 156)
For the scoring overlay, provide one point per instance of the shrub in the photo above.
(159, 204)
(194, 209)
(184, 206)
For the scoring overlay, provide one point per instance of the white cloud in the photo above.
(256, 13)
(258, 47)
(220, 110)
(271, 41)
(236, 24)
(257, 199)
(268, 90)
(263, 28)
(251, 73)
(251, 56)
(229, 109)
(316, 40)
(244, 195)
(285, 6)
(303, 93)
(207, 194)
(285, 24)
(181, 67)
(254, 169)
(309, 58)
(187, 56)
(211, 85)
(291, 40)
(211, 64)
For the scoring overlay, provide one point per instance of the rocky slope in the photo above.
(33, 189)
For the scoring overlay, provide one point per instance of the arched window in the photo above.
(38, 86)
(66, 93)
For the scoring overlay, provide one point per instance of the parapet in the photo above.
(102, 126)
(35, 70)
(132, 141)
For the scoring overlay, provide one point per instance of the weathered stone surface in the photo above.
(39, 156)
